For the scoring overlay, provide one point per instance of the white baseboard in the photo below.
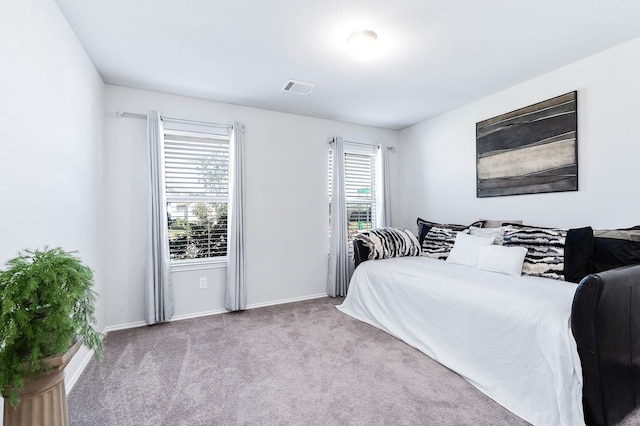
(84, 354)
(214, 312)
(197, 315)
(282, 301)
(123, 326)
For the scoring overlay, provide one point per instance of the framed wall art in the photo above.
(530, 150)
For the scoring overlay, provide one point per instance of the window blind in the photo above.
(197, 191)
(360, 186)
(196, 166)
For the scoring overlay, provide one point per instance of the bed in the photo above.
(552, 352)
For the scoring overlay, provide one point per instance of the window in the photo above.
(360, 182)
(197, 191)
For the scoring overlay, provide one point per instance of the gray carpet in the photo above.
(303, 363)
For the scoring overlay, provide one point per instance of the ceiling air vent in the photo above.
(298, 87)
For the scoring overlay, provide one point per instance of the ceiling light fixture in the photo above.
(362, 45)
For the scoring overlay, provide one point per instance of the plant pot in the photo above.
(43, 401)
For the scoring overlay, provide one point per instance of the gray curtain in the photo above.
(338, 278)
(157, 278)
(383, 190)
(235, 288)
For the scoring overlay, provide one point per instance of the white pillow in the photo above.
(466, 248)
(498, 233)
(502, 259)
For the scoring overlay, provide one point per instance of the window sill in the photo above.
(198, 264)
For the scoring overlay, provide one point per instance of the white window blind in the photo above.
(197, 191)
(360, 182)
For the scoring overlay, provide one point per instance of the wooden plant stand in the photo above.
(43, 401)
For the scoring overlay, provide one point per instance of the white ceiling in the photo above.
(435, 55)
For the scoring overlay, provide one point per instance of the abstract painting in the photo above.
(530, 150)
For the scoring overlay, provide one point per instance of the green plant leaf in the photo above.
(46, 303)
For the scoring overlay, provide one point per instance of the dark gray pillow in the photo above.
(615, 247)
(577, 254)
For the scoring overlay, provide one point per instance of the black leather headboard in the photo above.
(605, 321)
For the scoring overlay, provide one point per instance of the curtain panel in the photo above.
(338, 277)
(157, 278)
(235, 298)
(383, 190)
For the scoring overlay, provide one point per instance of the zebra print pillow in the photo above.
(424, 226)
(438, 242)
(545, 250)
(384, 243)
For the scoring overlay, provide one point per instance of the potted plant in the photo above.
(46, 310)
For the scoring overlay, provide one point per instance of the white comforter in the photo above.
(508, 336)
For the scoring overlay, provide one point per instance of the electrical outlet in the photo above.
(203, 282)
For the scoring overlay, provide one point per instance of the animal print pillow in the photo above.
(385, 243)
(438, 242)
(545, 250)
(424, 226)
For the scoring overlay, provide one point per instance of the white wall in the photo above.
(51, 107)
(287, 211)
(438, 163)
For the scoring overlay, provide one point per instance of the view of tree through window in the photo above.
(197, 190)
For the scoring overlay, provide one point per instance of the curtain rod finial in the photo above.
(118, 113)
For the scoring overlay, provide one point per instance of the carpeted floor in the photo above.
(303, 363)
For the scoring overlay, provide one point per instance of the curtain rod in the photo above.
(121, 114)
(389, 148)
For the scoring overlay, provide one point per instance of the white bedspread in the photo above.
(508, 336)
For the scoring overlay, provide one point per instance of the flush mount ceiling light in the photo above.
(362, 45)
